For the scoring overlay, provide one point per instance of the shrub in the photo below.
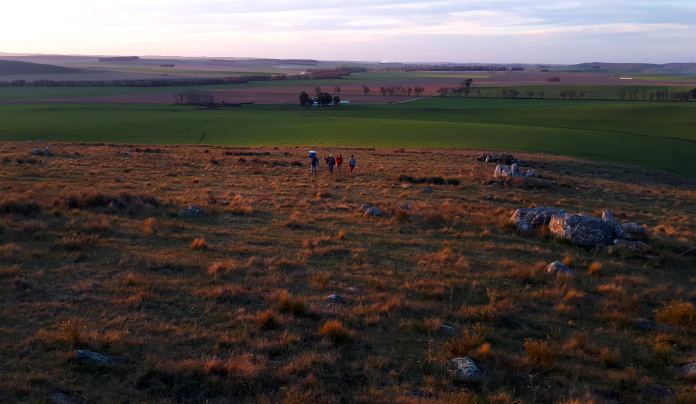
(470, 339)
(539, 352)
(288, 304)
(72, 329)
(93, 199)
(267, 320)
(14, 207)
(199, 244)
(595, 268)
(334, 330)
(677, 313)
(610, 357)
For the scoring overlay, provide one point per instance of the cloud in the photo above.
(396, 29)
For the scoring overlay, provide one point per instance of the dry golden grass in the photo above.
(232, 306)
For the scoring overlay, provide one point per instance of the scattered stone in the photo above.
(372, 210)
(365, 207)
(557, 266)
(356, 291)
(490, 197)
(637, 246)
(651, 325)
(581, 230)
(634, 229)
(465, 368)
(617, 230)
(191, 211)
(531, 173)
(47, 152)
(689, 370)
(405, 206)
(336, 299)
(36, 152)
(225, 203)
(336, 186)
(60, 398)
(94, 357)
(126, 154)
(446, 329)
(427, 190)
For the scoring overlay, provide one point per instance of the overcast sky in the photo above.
(493, 31)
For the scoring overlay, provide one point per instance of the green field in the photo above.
(654, 135)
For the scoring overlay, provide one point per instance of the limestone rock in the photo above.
(95, 357)
(617, 230)
(558, 267)
(448, 330)
(36, 152)
(634, 229)
(465, 368)
(191, 211)
(60, 398)
(336, 299)
(637, 246)
(47, 152)
(689, 370)
(581, 230)
(427, 190)
(373, 210)
(534, 217)
(651, 325)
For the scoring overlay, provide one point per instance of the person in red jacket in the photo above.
(339, 161)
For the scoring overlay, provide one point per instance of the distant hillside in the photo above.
(13, 67)
(681, 69)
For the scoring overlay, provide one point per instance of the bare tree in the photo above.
(530, 93)
(337, 90)
(366, 89)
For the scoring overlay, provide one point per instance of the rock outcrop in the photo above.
(581, 230)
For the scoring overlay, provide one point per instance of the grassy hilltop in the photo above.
(232, 306)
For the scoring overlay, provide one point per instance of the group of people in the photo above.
(332, 161)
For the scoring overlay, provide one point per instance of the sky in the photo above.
(463, 31)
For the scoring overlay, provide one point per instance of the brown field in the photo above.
(232, 306)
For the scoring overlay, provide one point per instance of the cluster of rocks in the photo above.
(191, 211)
(38, 152)
(513, 171)
(582, 230)
(502, 158)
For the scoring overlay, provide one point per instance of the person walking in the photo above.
(351, 163)
(315, 162)
(331, 161)
(339, 162)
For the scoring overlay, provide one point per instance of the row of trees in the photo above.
(400, 90)
(659, 95)
(193, 98)
(322, 99)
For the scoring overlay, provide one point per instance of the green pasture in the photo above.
(655, 135)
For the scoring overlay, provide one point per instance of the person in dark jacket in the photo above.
(331, 161)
